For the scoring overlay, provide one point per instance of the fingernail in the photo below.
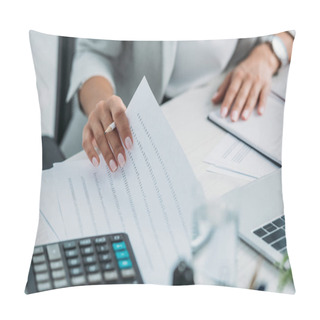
(261, 110)
(245, 114)
(215, 95)
(128, 143)
(224, 111)
(121, 160)
(95, 162)
(113, 165)
(234, 115)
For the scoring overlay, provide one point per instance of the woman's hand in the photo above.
(110, 144)
(247, 86)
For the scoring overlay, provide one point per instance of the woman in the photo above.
(105, 75)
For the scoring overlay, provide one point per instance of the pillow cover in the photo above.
(168, 202)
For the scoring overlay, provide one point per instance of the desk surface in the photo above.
(193, 108)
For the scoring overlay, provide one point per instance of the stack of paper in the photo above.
(152, 198)
(234, 158)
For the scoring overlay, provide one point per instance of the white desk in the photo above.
(192, 108)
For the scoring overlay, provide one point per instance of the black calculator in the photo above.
(103, 259)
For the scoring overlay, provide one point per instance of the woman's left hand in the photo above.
(247, 86)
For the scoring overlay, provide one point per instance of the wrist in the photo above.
(93, 91)
(273, 61)
(268, 56)
(280, 45)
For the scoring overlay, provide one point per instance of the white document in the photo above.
(152, 198)
(263, 133)
(279, 82)
(230, 173)
(234, 155)
(51, 226)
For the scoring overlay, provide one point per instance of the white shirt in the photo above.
(196, 62)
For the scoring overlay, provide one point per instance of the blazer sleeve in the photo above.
(93, 58)
(243, 49)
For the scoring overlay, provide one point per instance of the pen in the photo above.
(110, 127)
(255, 274)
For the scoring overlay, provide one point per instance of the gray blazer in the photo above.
(124, 63)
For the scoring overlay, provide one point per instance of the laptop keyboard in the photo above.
(274, 234)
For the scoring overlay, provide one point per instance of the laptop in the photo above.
(259, 206)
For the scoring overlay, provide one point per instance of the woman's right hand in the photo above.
(110, 144)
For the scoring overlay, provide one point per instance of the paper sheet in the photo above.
(152, 198)
(51, 227)
(230, 173)
(235, 156)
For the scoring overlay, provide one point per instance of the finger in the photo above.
(240, 100)
(88, 147)
(117, 148)
(113, 139)
(101, 140)
(94, 144)
(230, 95)
(251, 101)
(221, 90)
(263, 99)
(118, 113)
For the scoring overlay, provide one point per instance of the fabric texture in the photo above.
(168, 68)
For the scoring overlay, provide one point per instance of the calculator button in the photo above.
(76, 271)
(128, 273)
(40, 267)
(69, 245)
(122, 254)
(41, 277)
(103, 248)
(39, 259)
(44, 286)
(107, 266)
(94, 277)
(76, 281)
(119, 246)
(71, 253)
(54, 265)
(92, 268)
(89, 259)
(73, 262)
(105, 257)
(87, 250)
(58, 274)
(116, 237)
(54, 252)
(110, 275)
(85, 242)
(125, 264)
(38, 250)
(60, 283)
(100, 240)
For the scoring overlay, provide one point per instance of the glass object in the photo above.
(215, 244)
